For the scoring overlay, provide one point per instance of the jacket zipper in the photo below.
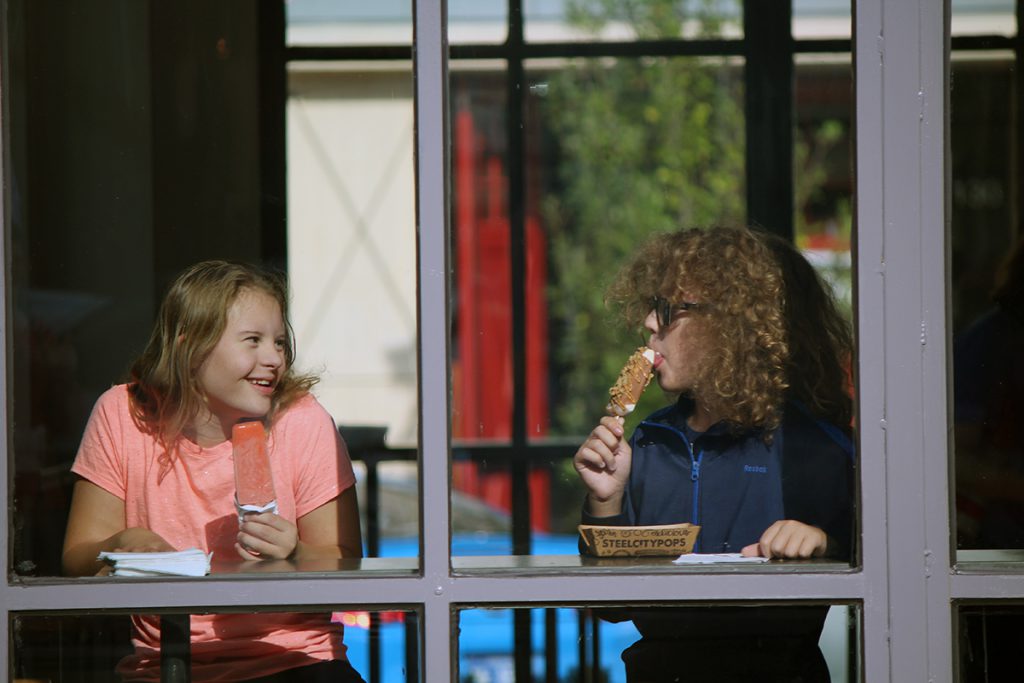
(695, 478)
(695, 461)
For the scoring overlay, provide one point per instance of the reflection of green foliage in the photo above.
(651, 19)
(646, 145)
(811, 151)
(810, 172)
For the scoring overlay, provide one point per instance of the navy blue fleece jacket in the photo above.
(735, 485)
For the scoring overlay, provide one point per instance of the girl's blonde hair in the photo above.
(163, 385)
(746, 373)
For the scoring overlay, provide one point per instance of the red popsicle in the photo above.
(254, 484)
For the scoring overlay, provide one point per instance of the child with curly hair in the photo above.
(155, 473)
(756, 447)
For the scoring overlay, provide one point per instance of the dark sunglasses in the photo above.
(666, 310)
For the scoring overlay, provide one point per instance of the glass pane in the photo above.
(352, 259)
(482, 297)
(987, 320)
(387, 484)
(601, 643)
(140, 198)
(822, 19)
(618, 151)
(144, 197)
(72, 648)
(325, 22)
(481, 505)
(983, 17)
(988, 640)
(477, 21)
(352, 241)
(823, 166)
(589, 21)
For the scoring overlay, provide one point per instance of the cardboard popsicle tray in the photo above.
(635, 541)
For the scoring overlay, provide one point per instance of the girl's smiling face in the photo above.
(239, 376)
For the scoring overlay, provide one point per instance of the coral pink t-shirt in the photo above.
(190, 503)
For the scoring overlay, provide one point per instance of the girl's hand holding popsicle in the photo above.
(603, 463)
(262, 534)
(604, 460)
(266, 535)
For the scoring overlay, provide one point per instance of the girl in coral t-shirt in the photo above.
(156, 473)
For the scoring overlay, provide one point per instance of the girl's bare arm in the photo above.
(96, 523)
(331, 530)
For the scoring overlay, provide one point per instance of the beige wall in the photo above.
(351, 242)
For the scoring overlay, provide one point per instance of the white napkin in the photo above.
(715, 558)
(191, 562)
(243, 509)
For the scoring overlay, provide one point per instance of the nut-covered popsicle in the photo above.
(254, 483)
(633, 379)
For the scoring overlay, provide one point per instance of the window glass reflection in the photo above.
(627, 643)
(140, 197)
(613, 152)
(821, 19)
(318, 22)
(481, 356)
(988, 640)
(481, 505)
(477, 21)
(987, 17)
(623, 148)
(204, 177)
(351, 241)
(378, 646)
(822, 169)
(590, 21)
(608, 158)
(987, 290)
(755, 445)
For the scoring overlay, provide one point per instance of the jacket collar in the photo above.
(675, 416)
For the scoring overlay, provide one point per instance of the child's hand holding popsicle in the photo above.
(604, 460)
(262, 533)
(266, 535)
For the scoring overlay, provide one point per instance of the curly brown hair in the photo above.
(772, 330)
(163, 386)
(820, 338)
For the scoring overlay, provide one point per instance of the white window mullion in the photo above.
(431, 75)
(901, 178)
(870, 298)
